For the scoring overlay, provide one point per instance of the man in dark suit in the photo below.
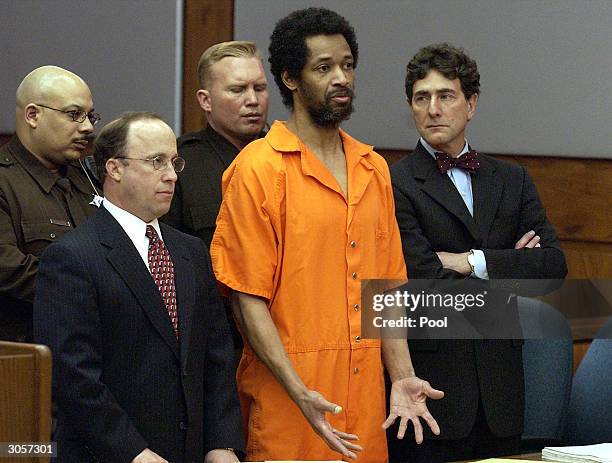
(129, 306)
(466, 215)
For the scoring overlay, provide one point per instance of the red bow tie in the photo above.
(469, 161)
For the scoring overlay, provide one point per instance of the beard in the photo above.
(329, 114)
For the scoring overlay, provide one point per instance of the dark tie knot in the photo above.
(64, 185)
(468, 161)
(151, 234)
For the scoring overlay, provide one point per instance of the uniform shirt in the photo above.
(37, 207)
(197, 194)
(287, 232)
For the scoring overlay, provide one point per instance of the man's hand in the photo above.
(459, 263)
(148, 456)
(221, 456)
(314, 406)
(528, 240)
(408, 396)
(455, 261)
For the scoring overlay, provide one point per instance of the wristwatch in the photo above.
(471, 261)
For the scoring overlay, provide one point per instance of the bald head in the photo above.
(46, 83)
(44, 100)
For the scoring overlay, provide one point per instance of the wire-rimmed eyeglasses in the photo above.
(161, 163)
(77, 116)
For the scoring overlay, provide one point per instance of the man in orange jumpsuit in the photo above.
(307, 213)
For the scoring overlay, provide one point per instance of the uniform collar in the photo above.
(282, 139)
(43, 176)
(218, 140)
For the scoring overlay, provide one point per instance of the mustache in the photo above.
(346, 91)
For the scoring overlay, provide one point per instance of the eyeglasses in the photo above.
(161, 163)
(77, 116)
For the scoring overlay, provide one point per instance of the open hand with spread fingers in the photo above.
(407, 402)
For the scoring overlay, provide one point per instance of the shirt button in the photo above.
(52, 235)
(356, 307)
(354, 275)
(357, 338)
(353, 244)
(356, 370)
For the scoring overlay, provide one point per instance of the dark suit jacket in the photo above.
(121, 380)
(432, 217)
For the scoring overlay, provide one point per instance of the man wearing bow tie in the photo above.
(462, 215)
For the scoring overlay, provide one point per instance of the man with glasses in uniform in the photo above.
(44, 192)
(129, 306)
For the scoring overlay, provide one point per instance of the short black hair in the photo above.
(450, 61)
(288, 50)
(112, 139)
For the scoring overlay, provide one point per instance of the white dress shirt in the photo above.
(463, 182)
(135, 228)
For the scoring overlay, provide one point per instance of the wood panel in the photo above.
(25, 394)
(205, 22)
(577, 194)
(580, 350)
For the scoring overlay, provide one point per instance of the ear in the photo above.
(31, 115)
(203, 97)
(290, 82)
(472, 102)
(114, 169)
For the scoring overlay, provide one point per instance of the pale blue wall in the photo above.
(545, 67)
(126, 50)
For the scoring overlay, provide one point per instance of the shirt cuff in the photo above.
(480, 265)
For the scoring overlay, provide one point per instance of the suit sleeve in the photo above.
(421, 260)
(548, 261)
(222, 421)
(66, 319)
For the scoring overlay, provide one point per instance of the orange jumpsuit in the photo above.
(286, 232)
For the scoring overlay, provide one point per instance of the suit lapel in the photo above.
(185, 284)
(486, 191)
(126, 261)
(441, 189)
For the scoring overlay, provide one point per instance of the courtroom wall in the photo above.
(544, 66)
(128, 51)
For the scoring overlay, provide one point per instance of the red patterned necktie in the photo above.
(469, 161)
(162, 271)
